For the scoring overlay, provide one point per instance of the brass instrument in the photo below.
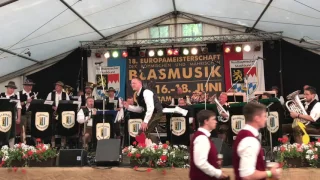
(68, 89)
(195, 98)
(220, 109)
(295, 105)
(135, 94)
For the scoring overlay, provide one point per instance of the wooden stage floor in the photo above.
(87, 173)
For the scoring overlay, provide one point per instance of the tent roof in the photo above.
(48, 28)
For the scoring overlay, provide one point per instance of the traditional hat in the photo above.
(90, 85)
(60, 83)
(11, 84)
(28, 82)
(111, 89)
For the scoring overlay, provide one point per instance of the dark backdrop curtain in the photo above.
(299, 66)
(67, 70)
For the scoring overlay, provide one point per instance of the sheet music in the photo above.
(48, 102)
(177, 110)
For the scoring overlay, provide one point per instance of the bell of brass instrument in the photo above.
(68, 89)
(220, 109)
(295, 105)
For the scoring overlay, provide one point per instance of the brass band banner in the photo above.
(188, 72)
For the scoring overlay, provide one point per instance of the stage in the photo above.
(87, 173)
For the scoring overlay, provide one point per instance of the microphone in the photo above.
(261, 58)
(98, 62)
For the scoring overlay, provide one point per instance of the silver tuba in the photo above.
(295, 105)
(220, 109)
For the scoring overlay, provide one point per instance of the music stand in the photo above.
(67, 124)
(41, 118)
(8, 119)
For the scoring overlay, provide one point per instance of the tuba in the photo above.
(220, 109)
(295, 105)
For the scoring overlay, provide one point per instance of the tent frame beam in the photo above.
(19, 55)
(82, 18)
(260, 16)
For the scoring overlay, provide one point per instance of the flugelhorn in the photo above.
(295, 105)
(220, 109)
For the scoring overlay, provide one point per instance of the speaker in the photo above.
(108, 152)
(72, 157)
(224, 149)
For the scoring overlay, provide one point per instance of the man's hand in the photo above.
(223, 176)
(125, 104)
(144, 126)
(224, 115)
(29, 100)
(18, 121)
(293, 114)
(276, 173)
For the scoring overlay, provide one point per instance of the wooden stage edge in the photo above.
(115, 173)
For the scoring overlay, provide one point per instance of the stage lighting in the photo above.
(238, 48)
(124, 54)
(185, 51)
(142, 53)
(160, 52)
(115, 54)
(151, 53)
(247, 48)
(227, 49)
(194, 51)
(204, 50)
(176, 52)
(169, 52)
(107, 54)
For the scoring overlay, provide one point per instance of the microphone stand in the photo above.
(246, 79)
(103, 98)
(205, 87)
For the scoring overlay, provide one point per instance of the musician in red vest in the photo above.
(204, 163)
(248, 156)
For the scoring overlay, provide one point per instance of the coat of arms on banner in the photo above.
(42, 121)
(237, 123)
(273, 122)
(178, 125)
(134, 126)
(239, 69)
(68, 119)
(110, 78)
(103, 131)
(6, 121)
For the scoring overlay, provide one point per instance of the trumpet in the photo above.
(295, 105)
(220, 109)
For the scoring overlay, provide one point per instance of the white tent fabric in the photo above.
(48, 28)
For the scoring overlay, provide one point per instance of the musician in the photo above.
(88, 89)
(148, 104)
(9, 94)
(312, 107)
(56, 96)
(179, 95)
(248, 157)
(112, 99)
(26, 96)
(204, 163)
(316, 96)
(265, 95)
(276, 89)
(84, 116)
(223, 126)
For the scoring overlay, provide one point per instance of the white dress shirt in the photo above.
(18, 105)
(201, 148)
(81, 118)
(58, 98)
(248, 150)
(28, 96)
(148, 98)
(315, 112)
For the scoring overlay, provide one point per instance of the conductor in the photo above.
(148, 104)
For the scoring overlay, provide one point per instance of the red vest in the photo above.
(195, 172)
(261, 166)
